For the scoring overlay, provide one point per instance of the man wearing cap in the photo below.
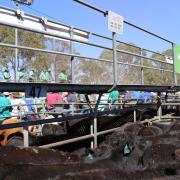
(113, 98)
(45, 76)
(31, 75)
(19, 106)
(62, 77)
(48, 75)
(42, 76)
(5, 107)
(21, 74)
(6, 74)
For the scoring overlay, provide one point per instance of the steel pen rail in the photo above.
(78, 39)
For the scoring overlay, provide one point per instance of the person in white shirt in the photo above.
(19, 108)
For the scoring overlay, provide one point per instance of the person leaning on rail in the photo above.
(113, 98)
(55, 103)
(19, 107)
(45, 75)
(31, 75)
(21, 74)
(6, 74)
(5, 107)
(62, 77)
(8, 136)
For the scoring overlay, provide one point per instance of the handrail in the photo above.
(16, 46)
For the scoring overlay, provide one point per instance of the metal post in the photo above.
(121, 101)
(160, 112)
(95, 121)
(72, 108)
(109, 106)
(95, 132)
(16, 54)
(159, 105)
(142, 69)
(114, 58)
(91, 126)
(135, 116)
(174, 66)
(53, 47)
(26, 137)
(89, 103)
(25, 130)
(72, 57)
(91, 131)
(44, 110)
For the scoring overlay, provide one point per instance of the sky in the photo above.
(157, 16)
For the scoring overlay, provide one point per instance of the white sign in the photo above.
(35, 91)
(169, 59)
(115, 22)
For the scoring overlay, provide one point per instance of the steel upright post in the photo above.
(95, 132)
(72, 57)
(142, 69)
(135, 116)
(16, 54)
(174, 66)
(54, 57)
(114, 58)
(26, 137)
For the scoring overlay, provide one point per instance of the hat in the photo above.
(21, 68)
(6, 93)
(65, 93)
(5, 69)
(16, 94)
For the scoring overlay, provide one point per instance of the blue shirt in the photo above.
(147, 97)
(135, 95)
(30, 105)
(5, 106)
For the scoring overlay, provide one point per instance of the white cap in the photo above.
(6, 93)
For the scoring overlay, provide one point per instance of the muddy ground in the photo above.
(134, 152)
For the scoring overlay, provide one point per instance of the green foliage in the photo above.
(86, 71)
(25, 57)
(128, 74)
(6, 36)
(93, 72)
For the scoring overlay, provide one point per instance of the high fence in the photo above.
(35, 43)
(29, 42)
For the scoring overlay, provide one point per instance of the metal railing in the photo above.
(94, 133)
(93, 127)
(114, 49)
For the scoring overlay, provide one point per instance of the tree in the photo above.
(6, 36)
(25, 57)
(127, 74)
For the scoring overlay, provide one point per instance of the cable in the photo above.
(53, 18)
(39, 12)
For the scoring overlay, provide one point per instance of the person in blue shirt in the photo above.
(21, 74)
(136, 95)
(31, 75)
(5, 107)
(147, 97)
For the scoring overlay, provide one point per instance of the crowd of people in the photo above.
(59, 103)
(32, 75)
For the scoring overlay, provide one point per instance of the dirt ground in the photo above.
(154, 153)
